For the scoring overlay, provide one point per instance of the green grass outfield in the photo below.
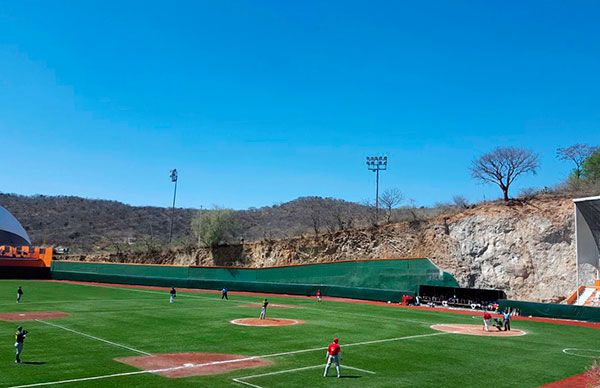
(409, 354)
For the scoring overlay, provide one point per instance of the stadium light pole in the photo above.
(174, 180)
(376, 164)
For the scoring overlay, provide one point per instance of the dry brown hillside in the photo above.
(525, 248)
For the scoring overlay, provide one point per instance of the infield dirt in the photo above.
(30, 316)
(192, 364)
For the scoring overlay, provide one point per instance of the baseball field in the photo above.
(89, 335)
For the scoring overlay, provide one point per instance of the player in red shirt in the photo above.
(333, 355)
(318, 295)
(486, 320)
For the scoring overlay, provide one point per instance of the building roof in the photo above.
(11, 231)
(597, 198)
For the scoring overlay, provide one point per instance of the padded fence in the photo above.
(372, 280)
(18, 272)
(553, 310)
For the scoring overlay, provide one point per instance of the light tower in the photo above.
(376, 164)
(174, 180)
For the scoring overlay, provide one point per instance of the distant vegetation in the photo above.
(90, 225)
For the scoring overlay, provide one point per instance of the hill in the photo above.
(92, 225)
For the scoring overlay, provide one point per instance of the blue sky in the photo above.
(257, 103)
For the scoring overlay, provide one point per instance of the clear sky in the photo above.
(259, 102)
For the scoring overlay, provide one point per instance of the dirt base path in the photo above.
(192, 364)
(32, 315)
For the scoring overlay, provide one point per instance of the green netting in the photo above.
(372, 280)
(552, 310)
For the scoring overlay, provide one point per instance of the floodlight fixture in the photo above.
(174, 177)
(376, 164)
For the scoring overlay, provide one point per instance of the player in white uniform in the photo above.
(263, 311)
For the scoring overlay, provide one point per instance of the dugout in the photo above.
(23, 272)
(460, 297)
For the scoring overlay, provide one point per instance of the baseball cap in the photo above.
(335, 340)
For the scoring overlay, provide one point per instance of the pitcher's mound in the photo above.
(477, 330)
(32, 315)
(266, 322)
(192, 364)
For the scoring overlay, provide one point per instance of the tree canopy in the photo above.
(213, 227)
(503, 165)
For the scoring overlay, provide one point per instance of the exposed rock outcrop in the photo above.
(526, 249)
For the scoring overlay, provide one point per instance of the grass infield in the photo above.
(381, 346)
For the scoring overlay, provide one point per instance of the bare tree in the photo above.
(577, 153)
(390, 199)
(316, 220)
(460, 202)
(342, 217)
(503, 165)
(371, 215)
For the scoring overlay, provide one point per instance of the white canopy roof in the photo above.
(11, 231)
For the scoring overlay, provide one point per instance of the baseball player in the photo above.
(173, 294)
(224, 293)
(506, 317)
(334, 353)
(498, 324)
(486, 320)
(20, 336)
(19, 294)
(318, 295)
(263, 311)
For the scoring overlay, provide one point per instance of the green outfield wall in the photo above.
(553, 310)
(372, 280)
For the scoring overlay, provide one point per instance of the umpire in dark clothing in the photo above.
(506, 317)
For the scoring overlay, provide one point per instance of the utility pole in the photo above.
(174, 180)
(376, 164)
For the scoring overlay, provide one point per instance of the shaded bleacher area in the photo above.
(469, 298)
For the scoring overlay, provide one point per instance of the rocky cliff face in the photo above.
(526, 249)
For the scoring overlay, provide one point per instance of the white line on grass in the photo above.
(246, 383)
(240, 380)
(573, 352)
(276, 373)
(358, 369)
(93, 337)
(223, 362)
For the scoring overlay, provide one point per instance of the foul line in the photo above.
(93, 337)
(218, 362)
(358, 369)
(240, 380)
